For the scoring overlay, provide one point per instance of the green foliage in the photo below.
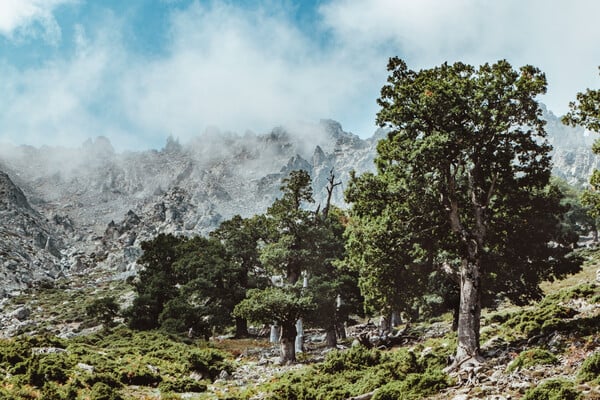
(102, 391)
(462, 179)
(110, 359)
(552, 315)
(413, 387)
(134, 370)
(555, 389)
(182, 385)
(590, 369)
(359, 370)
(103, 310)
(585, 111)
(186, 283)
(208, 362)
(543, 319)
(284, 305)
(49, 367)
(531, 357)
(242, 238)
(355, 358)
(156, 281)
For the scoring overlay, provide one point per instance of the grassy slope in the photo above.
(127, 360)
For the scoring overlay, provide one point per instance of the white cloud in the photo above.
(559, 37)
(239, 68)
(19, 18)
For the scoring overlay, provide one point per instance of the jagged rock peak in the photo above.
(101, 146)
(172, 145)
(297, 163)
(319, 156)
(10, 195)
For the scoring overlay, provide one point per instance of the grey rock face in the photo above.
(91, 207)
(29, 246)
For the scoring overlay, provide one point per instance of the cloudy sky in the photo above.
(137, 71)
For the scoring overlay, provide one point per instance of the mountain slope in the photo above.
(100, 204)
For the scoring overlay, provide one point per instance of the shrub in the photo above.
(356, 358)
(414, 387)
(49, 367)
(531, 357)
(556, 389)
(101, 391)
(590, 370)
(103, 310)
(208, 362)
(402, 362)
(136, 372)
(182, 385)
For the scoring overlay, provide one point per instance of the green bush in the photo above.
(590, 370)
(49, 367)
(101, 391)
(182, 385)
(556, 389)
(209, 362)
(137, 372)
(415, 386)
(359, 370)
(531, 357)
(355, 358)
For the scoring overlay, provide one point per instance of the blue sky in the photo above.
(137, 71)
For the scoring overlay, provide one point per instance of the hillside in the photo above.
(524, 349)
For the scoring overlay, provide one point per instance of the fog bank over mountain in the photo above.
(91, 207)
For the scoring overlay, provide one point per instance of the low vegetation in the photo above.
(104, 365)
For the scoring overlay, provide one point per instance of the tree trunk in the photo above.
(331, 337)
(299, 341)
(287, 343)
(340, 328)
(241, 327)
(275, 333)
(469, 310)
(455, 314)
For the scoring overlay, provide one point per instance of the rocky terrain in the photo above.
(66, 210)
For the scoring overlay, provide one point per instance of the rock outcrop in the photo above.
(88, 207)
(29, 245)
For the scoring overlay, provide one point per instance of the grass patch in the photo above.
(103, 365)
(532, 357)
(555, 389)
(590, 370)
(359, 370)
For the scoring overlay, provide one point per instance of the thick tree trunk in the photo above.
(299, 341)
(287, 343)
(275, 333)
(341, 330)
(469, 310)
(331, 337)
(241, 327)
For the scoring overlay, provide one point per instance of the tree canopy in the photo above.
(585, 111)
(462, 182)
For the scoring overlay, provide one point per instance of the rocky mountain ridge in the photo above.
(66, 210)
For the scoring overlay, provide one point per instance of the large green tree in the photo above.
(585, 111)
(290, 249)
(466, 167)
(242, 238)
(283, 305)
(155, 284)
(186, 283)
